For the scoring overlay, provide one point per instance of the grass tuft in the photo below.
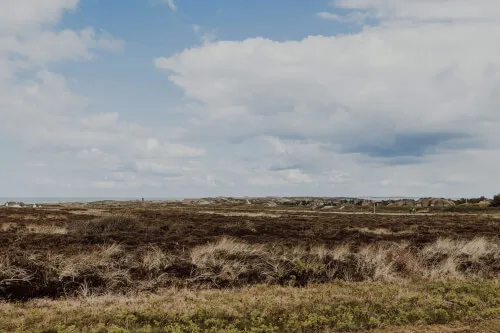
(232, 263)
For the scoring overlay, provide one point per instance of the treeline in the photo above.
(471, 200)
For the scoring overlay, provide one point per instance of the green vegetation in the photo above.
(471, 200)
(336, 306)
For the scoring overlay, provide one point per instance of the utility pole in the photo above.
(374, 205)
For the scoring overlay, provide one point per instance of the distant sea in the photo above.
(40, 200)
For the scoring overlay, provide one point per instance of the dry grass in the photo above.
(155, 259)
(381, 231)
(249, 214)
(232, 263)
(230, 260)
(46, 229)
(118, 273)
(22, 217)
(33, 228)
(8, 227)
(226, 261)
(107, 267)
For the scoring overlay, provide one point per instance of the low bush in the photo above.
(107, 224)
(331, 307)
(496, 201)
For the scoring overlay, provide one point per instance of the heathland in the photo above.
(239, 267)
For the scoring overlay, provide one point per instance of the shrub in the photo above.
(496, 201)
(107, 224)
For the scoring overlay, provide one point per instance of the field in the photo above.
(157, 267)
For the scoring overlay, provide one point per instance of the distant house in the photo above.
(403, 202)
(431, 202)
(13, 204)
(366, 203)
(442, 203)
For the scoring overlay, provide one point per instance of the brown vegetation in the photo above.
(58, 252)
(173, 229)
(232, 263)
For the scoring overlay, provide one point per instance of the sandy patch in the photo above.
(6, 226)
(380, 231)
(90, 211)
(239, 214)
(46, 229)
(33, 229)
(22, 217)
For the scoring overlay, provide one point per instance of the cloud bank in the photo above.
(406, 106)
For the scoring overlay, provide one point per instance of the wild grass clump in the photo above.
(447, 258)
(233, 263)
(227, 262)
(230, 262)
(27, 274)
(104, 269)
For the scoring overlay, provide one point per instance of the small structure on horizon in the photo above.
(12, 204)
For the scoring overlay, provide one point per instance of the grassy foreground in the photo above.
(338, 306)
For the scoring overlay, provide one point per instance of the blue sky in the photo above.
(150, 29)
(193, 98)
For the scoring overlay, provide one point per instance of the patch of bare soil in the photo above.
(249, 214)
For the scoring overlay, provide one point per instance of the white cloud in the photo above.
(340, 79)
(329, 16)
(100, 120)
(296, 176)
(37, 164)
(152, 147)
(49, 46)
(407, 106)
(172, 5)
(354, 17)
(338, 177)
(43, 116)
(205, 35)
(17, 17)
(209, 36)
(426, 10)
(396, 101)
(45, 181)
(281, 178)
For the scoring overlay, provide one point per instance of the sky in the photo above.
(191, 98)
